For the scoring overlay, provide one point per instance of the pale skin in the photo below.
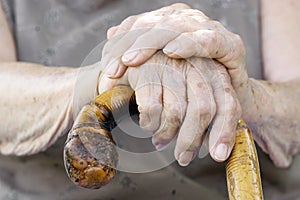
(38, 101)
(275, 130)
(269, 107)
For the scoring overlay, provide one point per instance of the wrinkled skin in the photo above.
(275, 130)
(271, 109)
(184, 32)
(177, 99)
(183, 83)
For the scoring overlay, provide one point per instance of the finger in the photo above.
(111, 32)
(121, 71)
(147, 44)
(222, 135)
(126, 24)
(201, 43)
(105, 83)
(114, 49)
(115, 69)
(174, 104)
(224, 46)
(148, 90)
(108, 57)
(200, 111)
(146, 21)
(184, 46)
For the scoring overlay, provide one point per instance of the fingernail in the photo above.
(170, 49)
(221, 152)
(129, 56)
(185, 158)
(159, 146)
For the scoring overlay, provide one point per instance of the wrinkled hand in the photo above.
(181, 32)
(177, 99)
(186, 33)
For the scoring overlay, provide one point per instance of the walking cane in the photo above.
(91, 157)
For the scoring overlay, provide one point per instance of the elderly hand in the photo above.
(174, 97)
(177, 99)
(185, 33)
(181, 32)
(197, 36)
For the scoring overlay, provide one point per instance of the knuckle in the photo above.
(230, 99)
(144, 108)
(204, 41)
(195, 13)
(170, 20)
(223, 78)
(234, 107)
(208, 39)
(237, 37)
(173, 121)
(140, 21)
(195, 113)
(180, 5)
(163, 136)
(146, 21)
(173, 108)
(238, 44)
(191, 142)
(206, 105)
(111, 30)
(216, 24)
(213, 37)
(199, 13)
(131, 19)
(206, 111)
(174, 116)
(231, 112)
(187, 35)
(177, 23)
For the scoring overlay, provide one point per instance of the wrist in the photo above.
(273, 118)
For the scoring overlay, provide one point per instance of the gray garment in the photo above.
(54, 32)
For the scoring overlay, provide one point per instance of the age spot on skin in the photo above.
(200, 85)
(227, 90)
